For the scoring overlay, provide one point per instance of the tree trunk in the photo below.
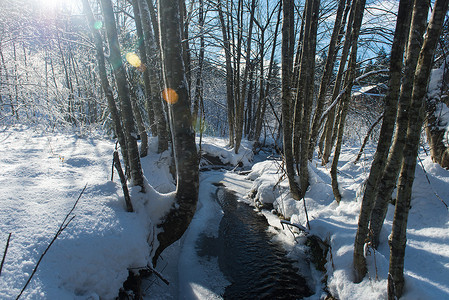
(329, 127)
(325, 79)
(199, 75)
(123, 93)
(308, 95)
(154, 78)
(263, 100)
(390, 173)
(146, 78)
(240, 105)
(178, 219)
(386, 132)
(139, 121)
(288, 40)
(105, 84)
(398, 235)
(435, 124)
(229, 75)
(357, 11)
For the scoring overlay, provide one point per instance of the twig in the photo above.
(4, 253)
(158, 274)
(305, 210)
(428, 180)
(63, 226)
(300, 227)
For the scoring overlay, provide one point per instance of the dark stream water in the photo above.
(256, 266)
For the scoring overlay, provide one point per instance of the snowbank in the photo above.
(427, 259)
(43, 174)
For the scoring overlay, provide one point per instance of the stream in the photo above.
(255, 265)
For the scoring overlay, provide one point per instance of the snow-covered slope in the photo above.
(427, 258)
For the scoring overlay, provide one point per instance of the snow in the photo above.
(44, 173)
(42, 177)
(427, 259)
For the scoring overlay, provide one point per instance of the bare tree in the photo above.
(123, 92)
(406, 177)
(383, 146)
(175, 92)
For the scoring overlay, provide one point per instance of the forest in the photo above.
(137, 133)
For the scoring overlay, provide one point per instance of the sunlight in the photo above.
(57, 5)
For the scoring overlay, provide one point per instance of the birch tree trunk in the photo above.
(398, 235)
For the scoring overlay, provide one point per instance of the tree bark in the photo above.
(357, 11)
(386, 132)
(176, 222)
(146, 78)
(154, 77)
(116, 122)
(390, 173)
(435, 124)
(288, 41)
(123, 92)
(329, 127)
(398, 235)
(240, 105)
(229, 75)
(325, 79)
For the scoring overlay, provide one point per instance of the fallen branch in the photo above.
(150, 268)
(4, 253)
(300, 227)
(118, 166)
(63, 226)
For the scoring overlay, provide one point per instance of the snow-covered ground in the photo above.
(427, 251)
(43, 174)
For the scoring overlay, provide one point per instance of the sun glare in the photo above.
(58, 5)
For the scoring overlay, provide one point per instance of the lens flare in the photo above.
(98, 25)
(133, 59)
(170, 96)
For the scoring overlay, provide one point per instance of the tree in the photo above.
(305, 91)
(390, 174)
(325, 79)
(153, 68)
(357, 12)
(229, 74)
(123, 93)
(240, 105)
(175, 93)
(105, 82)
(288, 34)
(386, 133)
(416, 116)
